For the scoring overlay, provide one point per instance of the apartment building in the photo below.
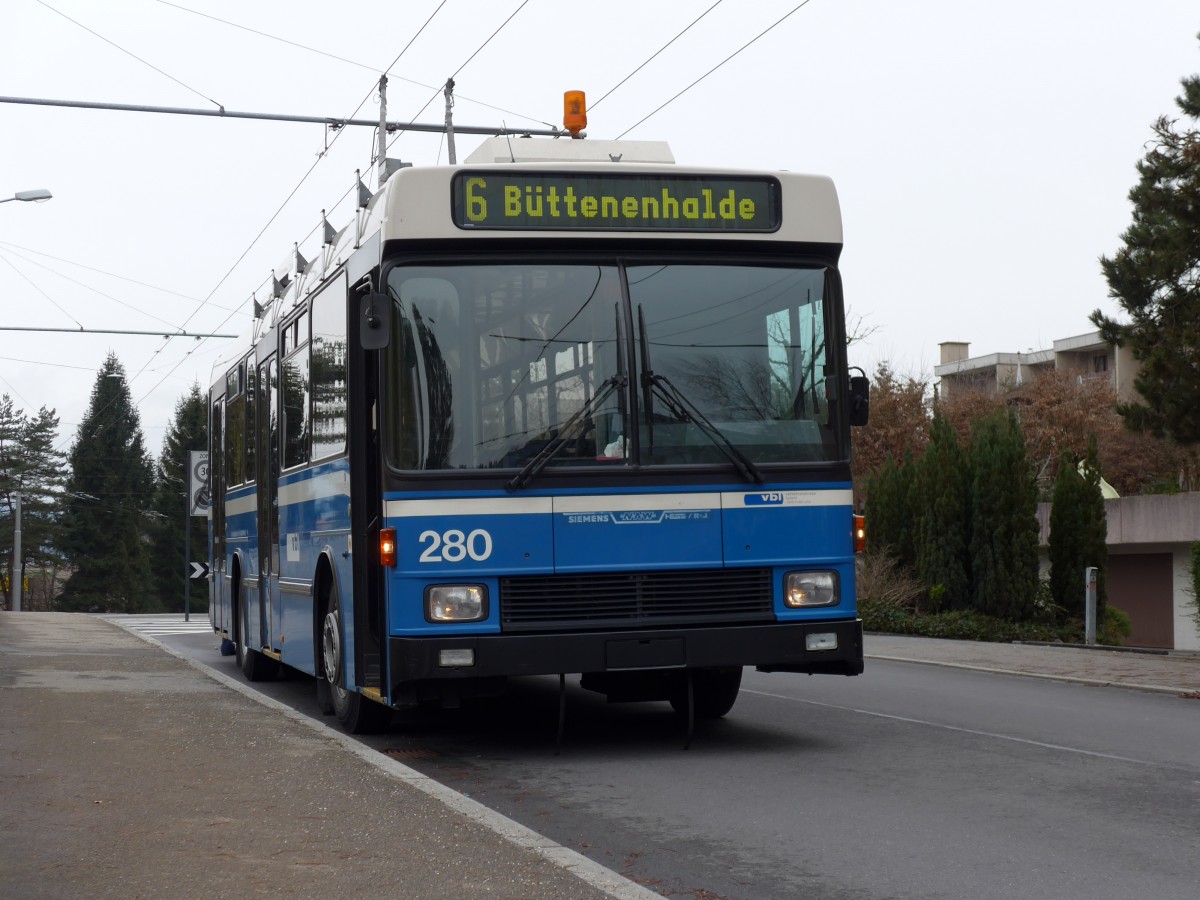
(1085, 356)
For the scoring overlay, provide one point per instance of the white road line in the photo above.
(972, 731)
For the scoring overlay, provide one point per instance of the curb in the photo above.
(1072, 679)
(582, 867)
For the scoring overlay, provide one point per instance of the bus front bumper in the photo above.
(814, 648)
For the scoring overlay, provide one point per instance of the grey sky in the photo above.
(982, 152)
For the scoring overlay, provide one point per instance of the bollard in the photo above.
(1089, 606)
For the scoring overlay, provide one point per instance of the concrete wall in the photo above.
(1167, 523)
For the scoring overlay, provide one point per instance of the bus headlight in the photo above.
(805, 589)
(455, 602)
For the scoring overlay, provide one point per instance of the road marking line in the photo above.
(972, 731)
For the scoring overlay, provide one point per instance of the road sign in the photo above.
(199, 571)
(198, 495)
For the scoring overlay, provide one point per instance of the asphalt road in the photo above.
(909, 781)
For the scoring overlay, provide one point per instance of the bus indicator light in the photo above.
(574, 112)
(387, 547)
(860, 534)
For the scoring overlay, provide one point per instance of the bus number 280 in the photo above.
(454, 546)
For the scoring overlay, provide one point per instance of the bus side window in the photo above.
(328, 375)
(216, 455)
(235, 428)
(251, 425)
(296, 424)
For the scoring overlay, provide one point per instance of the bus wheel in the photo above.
(714, 691)
(357, 714)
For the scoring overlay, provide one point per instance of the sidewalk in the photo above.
(127, 772)
(1174, 672)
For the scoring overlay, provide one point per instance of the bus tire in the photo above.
(357, 714)
(714, 691)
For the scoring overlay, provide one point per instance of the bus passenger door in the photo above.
(267, 464)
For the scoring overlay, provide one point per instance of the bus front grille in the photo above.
(635, 599)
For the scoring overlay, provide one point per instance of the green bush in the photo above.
(965, 625)
(1115, 626)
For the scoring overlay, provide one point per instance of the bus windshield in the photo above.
(607, 364)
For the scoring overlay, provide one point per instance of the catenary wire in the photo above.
(478, 50)
(352, 62)
(128, 53)
(713, 69)
(71, 262)
(272, 219)
(117, 300)
(596, 103)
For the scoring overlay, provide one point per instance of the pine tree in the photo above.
(108, 504)
(188, 431)
(1004, 526)
(30, 465)
(1153, 278)
(940, 499)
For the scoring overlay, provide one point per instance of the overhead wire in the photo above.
(478, 50)
(593, 104)
(33, 284)
(714, 68)
(334, 56)
(71, 262)
(275, 216)
(117, 300)
(129, 53)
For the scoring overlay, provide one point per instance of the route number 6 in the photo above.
(453, 546)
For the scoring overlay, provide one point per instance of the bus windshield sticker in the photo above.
(533, 201)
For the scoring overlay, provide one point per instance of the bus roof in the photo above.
(562, 188)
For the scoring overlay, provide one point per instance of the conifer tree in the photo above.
(1004, 526)
(29, 464)
(889, 515)
(108, 504)
(188, 431)
(1153, 278)
(940, 499)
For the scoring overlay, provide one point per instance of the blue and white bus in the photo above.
(563, 408)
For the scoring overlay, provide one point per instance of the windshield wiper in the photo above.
(554, 447)
(682, 408)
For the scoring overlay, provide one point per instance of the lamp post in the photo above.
(18, 567)
(26, 196)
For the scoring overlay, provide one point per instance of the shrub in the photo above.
(965, 625)
(1115, 626)
(884, 584)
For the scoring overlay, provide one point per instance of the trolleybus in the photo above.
(566, 407)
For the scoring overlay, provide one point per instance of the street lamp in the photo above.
(18, 568)
(35, 194)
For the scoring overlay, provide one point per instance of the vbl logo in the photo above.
(771, 498)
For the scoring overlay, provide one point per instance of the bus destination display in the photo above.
(601, 202)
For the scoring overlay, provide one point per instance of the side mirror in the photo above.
(375, 321)
(860, 399)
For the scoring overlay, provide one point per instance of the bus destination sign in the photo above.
(538, 201)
